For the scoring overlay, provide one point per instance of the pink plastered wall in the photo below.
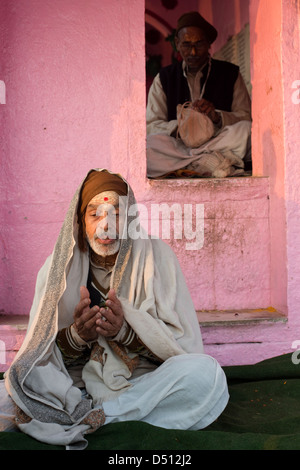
(75, 99)
(74, 76)
(291, 92)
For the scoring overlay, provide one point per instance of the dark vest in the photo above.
(219, 87)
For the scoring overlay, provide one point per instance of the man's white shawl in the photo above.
(156, 303)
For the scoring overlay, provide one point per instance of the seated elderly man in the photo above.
(213, 88)
(113, 335)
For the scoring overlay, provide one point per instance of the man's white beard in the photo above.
(104, 250)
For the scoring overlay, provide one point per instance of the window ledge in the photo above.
(242, 317)
(13, 322)
(207, 182)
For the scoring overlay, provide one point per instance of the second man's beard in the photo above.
(104, 250)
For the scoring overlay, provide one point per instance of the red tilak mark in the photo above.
(106, 199)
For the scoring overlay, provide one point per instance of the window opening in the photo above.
(215, 162)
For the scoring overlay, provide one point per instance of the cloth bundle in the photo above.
(194, 128)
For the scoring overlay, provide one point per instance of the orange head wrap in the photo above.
(95, 183)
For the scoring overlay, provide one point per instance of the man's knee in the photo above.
(242, 127)
(199, 371)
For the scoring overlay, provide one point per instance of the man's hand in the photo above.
(205, 107)
(107, 321)
(111, 317)
(85, 317)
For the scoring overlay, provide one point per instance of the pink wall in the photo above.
(291, 90)
(75, 99)
(75, 90)
(268, 138)
(275, 48)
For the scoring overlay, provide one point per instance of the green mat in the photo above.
(263, 414)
